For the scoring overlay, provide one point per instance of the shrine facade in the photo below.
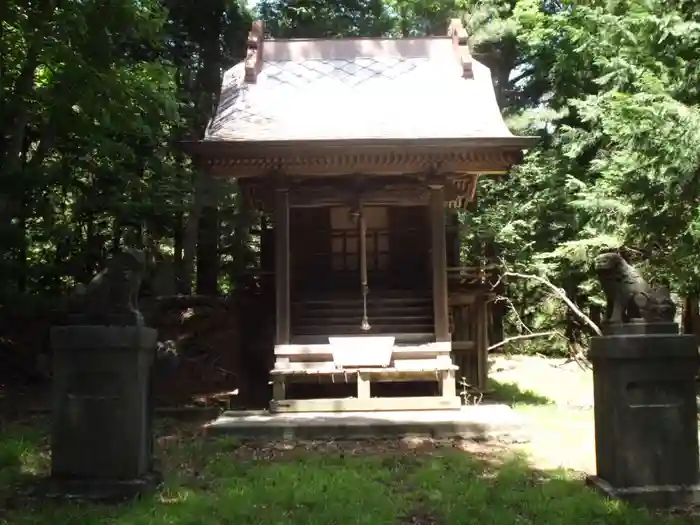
(361, 151)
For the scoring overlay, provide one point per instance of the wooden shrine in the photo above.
(361, 150)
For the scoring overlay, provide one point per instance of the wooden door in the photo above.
(409, 244)
(310, 235)
(345, 247)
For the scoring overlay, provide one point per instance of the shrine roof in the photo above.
(359, 89)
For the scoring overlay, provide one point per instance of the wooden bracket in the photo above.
(254, 53)
(450, 190)
(460, 43)
(435, 179)
(472, 189)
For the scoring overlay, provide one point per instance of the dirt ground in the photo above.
(563, 431)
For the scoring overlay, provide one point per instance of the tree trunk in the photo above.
(116, 236)
(691, 313)
(189, 245)
(178, 242)
(19, 100)
(208, 252)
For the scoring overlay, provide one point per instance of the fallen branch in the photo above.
(559, 293)
(523, 336)
(515, 313)
(578, 356)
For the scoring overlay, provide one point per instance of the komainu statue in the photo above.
(627, 294)
(111, 297)
(624, 288)
(660, 307)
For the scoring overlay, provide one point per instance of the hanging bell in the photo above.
(365, 324)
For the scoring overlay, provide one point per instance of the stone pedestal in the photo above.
(102, 435)
(646, 426)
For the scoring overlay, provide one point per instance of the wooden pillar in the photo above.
(439, 256)
(363, 386)
(282, 271)
(482, 343)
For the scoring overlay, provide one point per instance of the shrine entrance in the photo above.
(327, 255)
(346, 253)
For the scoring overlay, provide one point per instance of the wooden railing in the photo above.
(470, 290)
(466, 278)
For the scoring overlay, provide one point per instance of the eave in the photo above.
(238, 159)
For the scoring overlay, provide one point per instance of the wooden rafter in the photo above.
(378, 162)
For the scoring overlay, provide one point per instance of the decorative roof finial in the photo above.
(254, 55)
(460, 42)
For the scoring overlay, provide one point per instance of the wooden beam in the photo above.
(337, 195)
(439, 258)
(279, 388)
(327, 349)
(448, 385)
(363, 386)
(419, 368)
(305, 192)
(310, 191)
(282, 266)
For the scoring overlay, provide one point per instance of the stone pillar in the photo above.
(646, 426)
(282, 269)
(439, 260)
(101, 436)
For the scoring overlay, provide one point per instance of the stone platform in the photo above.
(478, 422)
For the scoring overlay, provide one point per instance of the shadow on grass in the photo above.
(512, 394)
(379, 482)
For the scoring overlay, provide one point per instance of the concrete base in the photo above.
(655, 497)
(479, 422)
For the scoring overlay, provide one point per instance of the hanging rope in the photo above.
(365, 326)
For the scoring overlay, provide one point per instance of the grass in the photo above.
(222, 481)
(511, 393)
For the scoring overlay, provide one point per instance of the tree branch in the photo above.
(559, 293)
(515, 313)
(523, 336)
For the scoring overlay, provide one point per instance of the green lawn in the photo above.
(220, 481)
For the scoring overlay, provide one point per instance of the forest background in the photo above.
(97, 96)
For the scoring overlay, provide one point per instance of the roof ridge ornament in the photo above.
(460, 42)
(254, 53)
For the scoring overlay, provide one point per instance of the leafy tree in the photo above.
(97, 97)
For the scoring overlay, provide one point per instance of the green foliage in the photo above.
(94, 95)
(612, 89)
(95, 98)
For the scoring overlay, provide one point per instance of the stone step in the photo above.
(424, 320)
(356, 302)
(373, 293)
(478, 422)
(354, 328)
(401, 338)
(355, 310)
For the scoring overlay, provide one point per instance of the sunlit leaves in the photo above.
(636, 135)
